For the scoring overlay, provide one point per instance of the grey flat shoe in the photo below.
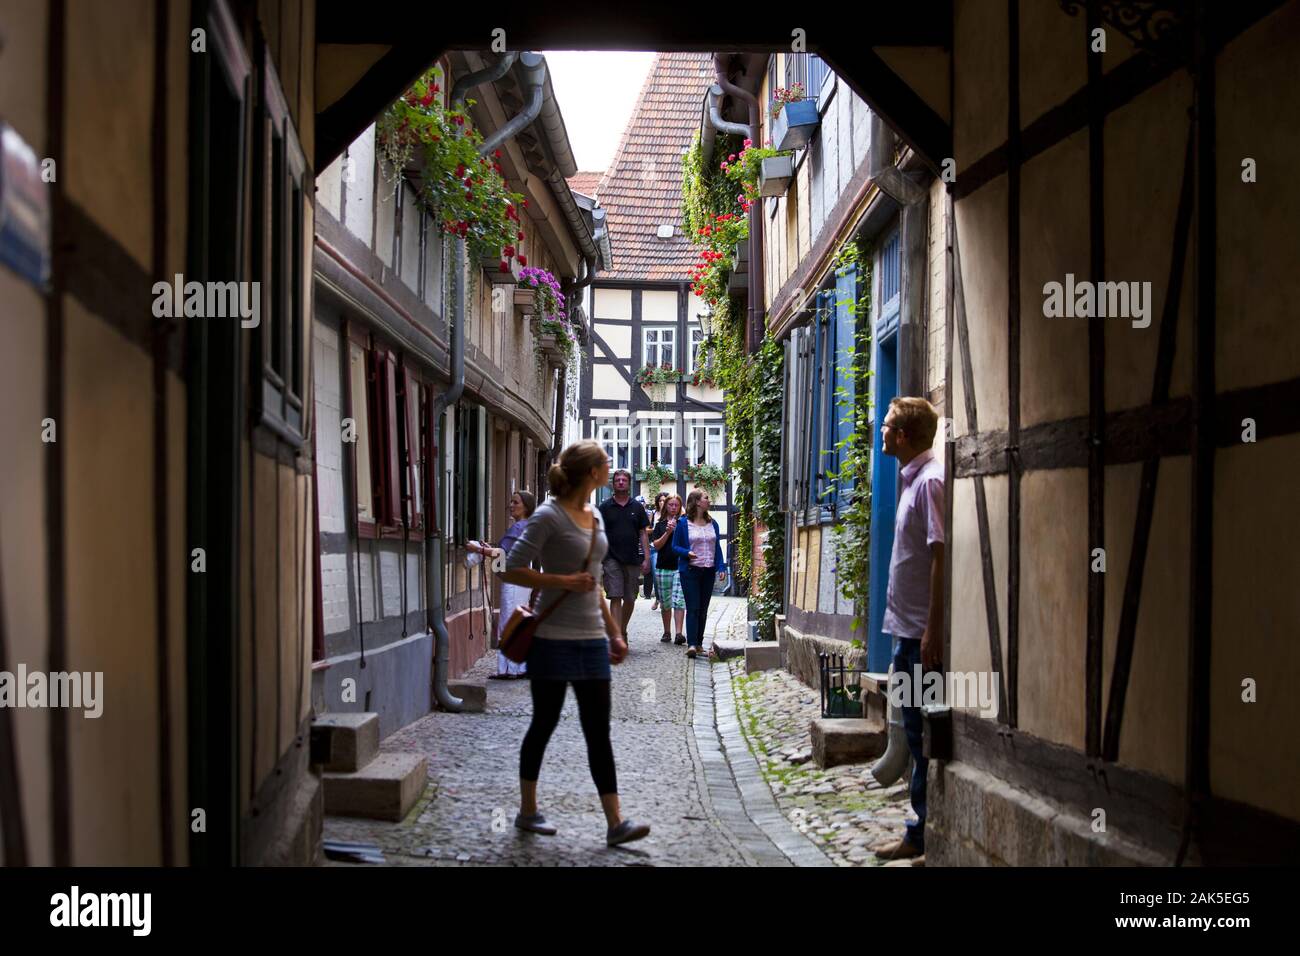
(626, 832)
(534, 824)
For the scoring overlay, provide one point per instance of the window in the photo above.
(817, 73)
(697, 339)
(659, 346)
(706, 445)
(615, 440)
(469, 473)
(280, 257)
(358, 411)
(657, 445)
(414, 451)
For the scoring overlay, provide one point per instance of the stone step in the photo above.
(472, 692)
(729, 649)
(762, 656)
(344, 743)
(841, 740)
(385, 789)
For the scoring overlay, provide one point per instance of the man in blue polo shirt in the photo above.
(628, 559)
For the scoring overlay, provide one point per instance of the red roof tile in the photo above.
(642, 189)
(585, 182)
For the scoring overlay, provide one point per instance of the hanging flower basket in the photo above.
(654, 476)
(708, 478)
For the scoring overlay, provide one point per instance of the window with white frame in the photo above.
(657, 445)
(615, 440)
(697, 339)
(706, 444)
(659, 345)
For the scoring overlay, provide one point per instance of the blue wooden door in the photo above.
(884, 469)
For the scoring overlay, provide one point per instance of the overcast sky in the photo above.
(596, 91)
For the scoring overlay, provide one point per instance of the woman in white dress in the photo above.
(522, 505)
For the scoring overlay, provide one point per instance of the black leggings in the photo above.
(593, 714)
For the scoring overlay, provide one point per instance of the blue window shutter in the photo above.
(814, 429)
(846, 292)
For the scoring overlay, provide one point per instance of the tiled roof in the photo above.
(585, 182)
(642, 189)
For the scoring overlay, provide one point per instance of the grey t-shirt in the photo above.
(554, 538)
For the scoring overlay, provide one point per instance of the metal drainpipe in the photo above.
(479, 77)
(535, 78)
(755, 277)
(434, 546)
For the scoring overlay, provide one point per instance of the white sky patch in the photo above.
(597, 92)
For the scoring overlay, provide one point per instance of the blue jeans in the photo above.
(697, 589)
(907, 658)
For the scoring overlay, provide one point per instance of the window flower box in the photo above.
(492, 266)
(523, 298)
(774, 175)
(737, 282)
(548, 345)
(795, 124)
(740, 258)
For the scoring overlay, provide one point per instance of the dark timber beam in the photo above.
(981, 502)
(1013, 363)
(1150, 469)
(889, 96)
(345, 119)
(1096, 388)
(1118, 87)
(631, 25)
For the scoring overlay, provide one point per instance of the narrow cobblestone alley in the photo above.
(683, 765)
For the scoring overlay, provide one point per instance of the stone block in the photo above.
(729, 649)
(840, 740)
(472, 692)
(801, 655)
(344, 743)
(875, 696)
(762, 656)
(385, 789)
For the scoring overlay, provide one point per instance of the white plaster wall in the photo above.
(361, 183)
(658, 305)
(334, 591)
(612, 304)
(617, 337)
(329, 404)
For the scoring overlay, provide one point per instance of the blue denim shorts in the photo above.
(569, 660)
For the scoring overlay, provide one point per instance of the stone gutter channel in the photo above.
(739, 796)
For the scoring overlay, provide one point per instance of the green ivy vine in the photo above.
(851, 535)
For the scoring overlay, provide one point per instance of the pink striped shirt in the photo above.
(917, 525)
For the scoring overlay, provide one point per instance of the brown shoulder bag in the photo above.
(517, 638)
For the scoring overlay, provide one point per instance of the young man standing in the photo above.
(627, 528)
(914, 600)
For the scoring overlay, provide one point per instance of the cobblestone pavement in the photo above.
(698, 790)
(840, 807)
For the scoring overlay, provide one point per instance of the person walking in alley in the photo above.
(652, 588)
(697, 540)
(914, 598)
(577, 641)
(628, 527)
(668, 580)
(522, 506)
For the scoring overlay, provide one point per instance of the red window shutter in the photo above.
(392, 507)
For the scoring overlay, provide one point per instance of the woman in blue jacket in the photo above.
(698, 543)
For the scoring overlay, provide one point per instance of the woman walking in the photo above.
(522, 506)
(668, 580)
(579, 638)
(697, 540)
(654, 556)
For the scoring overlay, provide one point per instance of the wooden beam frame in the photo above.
(1150, 469)
(1013, 363)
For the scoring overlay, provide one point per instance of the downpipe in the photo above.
(434, 545)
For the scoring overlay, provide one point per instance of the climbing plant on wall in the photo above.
(767, 381)
(851, 535)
